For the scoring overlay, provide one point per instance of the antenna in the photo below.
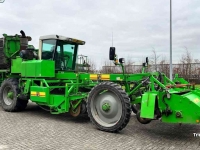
(112, 44)
(112, 38)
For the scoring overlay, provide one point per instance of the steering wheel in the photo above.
(46, 55)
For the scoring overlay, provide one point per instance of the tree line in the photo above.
(187, 67)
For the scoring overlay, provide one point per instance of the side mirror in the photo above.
(112, 53)
(147, 60)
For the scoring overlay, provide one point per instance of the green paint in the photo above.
(27, 86)
(38, 68)
(10, 95)
(148, 105)
(106, 107)
(187, 103)
(16, 65)
(54, 82)
(11, 45)
(179, 80)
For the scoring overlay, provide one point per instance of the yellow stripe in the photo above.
(40, 94)
(93, 76)
(33, 92)
(105, 77)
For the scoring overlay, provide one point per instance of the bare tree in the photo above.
(196, 61)
(108, 67)
(155, 58)
(92, 66)
(129, 67)
(164, 66)
(186, 61)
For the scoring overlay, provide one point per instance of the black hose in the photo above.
(163, 99)
(167, 111)
(23, 34)
(42, 107)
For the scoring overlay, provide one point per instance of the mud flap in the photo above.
(148, 105)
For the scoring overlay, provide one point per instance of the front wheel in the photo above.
(109, 107)
(8, 96)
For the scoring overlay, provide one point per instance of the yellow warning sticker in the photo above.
(93, 76)
(40, 94)
(105, 77)
(33, 93)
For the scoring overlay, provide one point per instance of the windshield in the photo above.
(48, 47)
(63, 53)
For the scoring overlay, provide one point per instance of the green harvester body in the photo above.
(55, 83)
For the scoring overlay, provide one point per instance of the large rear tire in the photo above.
(8, 96)
(109, 107)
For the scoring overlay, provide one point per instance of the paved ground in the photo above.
(36, 129)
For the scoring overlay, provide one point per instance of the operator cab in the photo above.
(61, 49)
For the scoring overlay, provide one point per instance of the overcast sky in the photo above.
(138, 26)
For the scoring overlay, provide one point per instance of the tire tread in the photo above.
(127, 107)
(18, 104)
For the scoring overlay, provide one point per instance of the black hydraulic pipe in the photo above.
(23, 34)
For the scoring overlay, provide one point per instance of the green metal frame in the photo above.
(63, 91)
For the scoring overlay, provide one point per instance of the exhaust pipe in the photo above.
(23, 34)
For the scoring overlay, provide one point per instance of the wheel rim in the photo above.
(76, 111)
(106, 108)
(8, 95)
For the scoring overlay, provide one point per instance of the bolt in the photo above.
(10, 95)
(178, 114)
